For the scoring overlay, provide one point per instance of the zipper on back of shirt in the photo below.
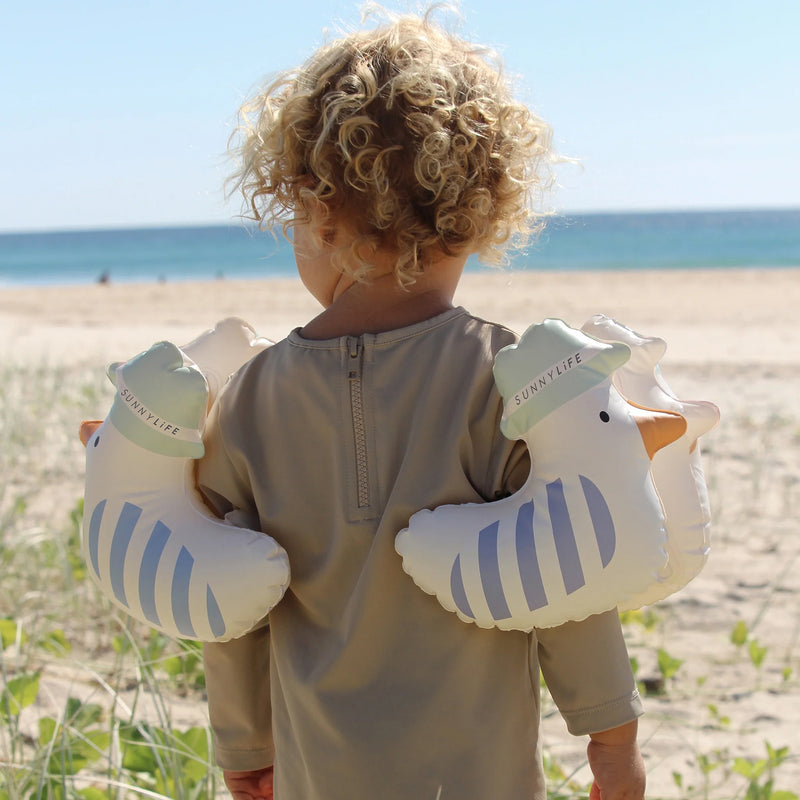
(355, 369)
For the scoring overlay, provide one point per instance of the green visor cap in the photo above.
(160, 402)
(551, 364)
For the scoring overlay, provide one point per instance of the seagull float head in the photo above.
(554, 364)
(677, 469)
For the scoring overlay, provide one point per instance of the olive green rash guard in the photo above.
(359, 685)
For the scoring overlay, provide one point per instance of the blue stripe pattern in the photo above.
(457, 589)
(214, 614)
(529, 570)
(94, 536)
(128, 518)
(602, 522)
(527, 560)
(180, 593)
(569, 559)
(149, 568)
(490, 572)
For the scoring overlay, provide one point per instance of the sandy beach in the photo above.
(730, 317)
(732, 339)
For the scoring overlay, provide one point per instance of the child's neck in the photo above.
(381, 305)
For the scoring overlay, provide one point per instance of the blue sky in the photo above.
(117, 113)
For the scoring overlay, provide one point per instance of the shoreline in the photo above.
(732, 316)
(290, 274)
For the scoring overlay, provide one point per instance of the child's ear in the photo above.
(314, 210)
(315, 213)
(324, 227)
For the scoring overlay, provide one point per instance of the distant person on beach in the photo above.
(391, 155)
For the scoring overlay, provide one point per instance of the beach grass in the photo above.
(95, 706)
(87, 698)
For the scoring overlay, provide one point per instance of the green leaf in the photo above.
(55, 788)
(138, 754)
(668, 665)
(156, 643)
(76, 515)
(647, 619)
(752, 770)
(195, 747)
(75, 752)
(80, 715)
(173, 666)
(191, 663)
(93, 744)
(553, 770)
(755, 792)
(196, 741)
(8, 633)
(706, 765)
(720, 718)
(776, 756)
(191, 646)
(92, 793)
(120, 644)
(56, 642)
(757, 653)
(739, 633)
(78, 751)
(47, 730)
(19, 693)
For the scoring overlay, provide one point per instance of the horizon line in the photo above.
(245, 223)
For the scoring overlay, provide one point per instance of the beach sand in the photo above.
(732, 339)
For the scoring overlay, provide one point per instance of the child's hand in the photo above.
(616, 764)
(253, 784)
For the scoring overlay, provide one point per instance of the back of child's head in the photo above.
(406, 135)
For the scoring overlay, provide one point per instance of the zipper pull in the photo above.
(354, 351)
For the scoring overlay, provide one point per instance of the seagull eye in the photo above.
(604, 416)
(96, 441)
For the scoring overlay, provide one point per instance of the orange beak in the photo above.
(658, 428)
(87, 429)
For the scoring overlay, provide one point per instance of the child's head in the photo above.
(406, 135)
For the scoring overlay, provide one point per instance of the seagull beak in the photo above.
(658, 428)
(87, 429)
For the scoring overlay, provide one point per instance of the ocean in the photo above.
(601, 241)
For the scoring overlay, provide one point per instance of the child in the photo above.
(392, 155)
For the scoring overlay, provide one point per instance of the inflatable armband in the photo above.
(587, 530)
(148, 540)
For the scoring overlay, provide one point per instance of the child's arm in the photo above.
(253, 785)
(616, 764)
(237, 685)
(587, 670)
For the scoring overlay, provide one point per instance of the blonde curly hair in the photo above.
(409, 136)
